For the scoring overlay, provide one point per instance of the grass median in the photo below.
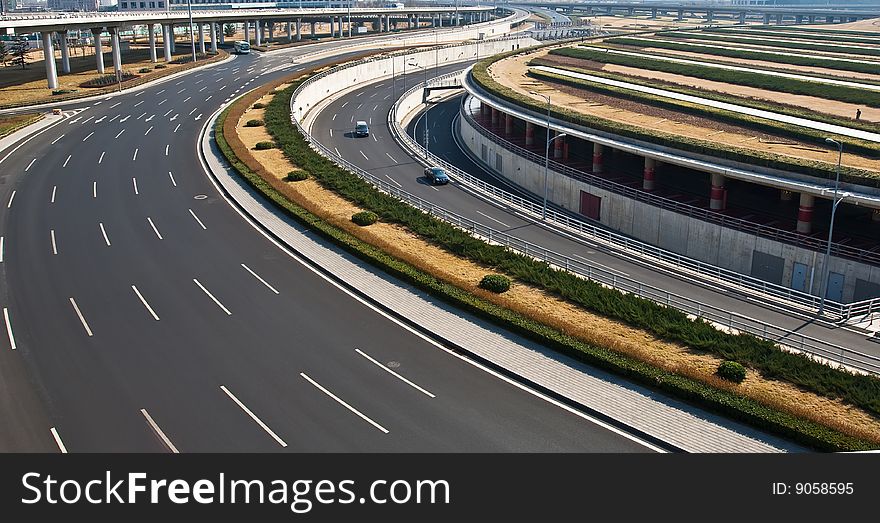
(715, 38)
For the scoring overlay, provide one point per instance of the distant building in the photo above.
(72, 5)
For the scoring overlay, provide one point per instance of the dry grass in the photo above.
(13, 122)
(535, 303)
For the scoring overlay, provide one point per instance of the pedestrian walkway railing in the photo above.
(727, 320)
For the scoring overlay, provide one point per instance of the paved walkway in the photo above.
(669, 420)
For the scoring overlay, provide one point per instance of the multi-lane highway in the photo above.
(143, 314)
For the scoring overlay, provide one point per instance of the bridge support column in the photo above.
(829, 19)
(299, 35)
(171, 37)
(710, 16)
(680, 15)
(597, 158)
(117, 52)
(289, 31)
(494, 117)
(312, 29)
(258, 33)
(766, 18)
(648, 174)
(99, 53)
(716, 194)
(811, 19)
(742, 18)
(778, 19)
(530, 133)
(49, 59)
(439, 19)
(799, 19)
(332, 30)
(558, 148)
(214, 37)
(166, 41)
(221, 34)
(201, 28)
(151, 29)
(805, 214)
(65, 52)
(247, 31)
(508, 124)
(654, 12)
(484, 110)
(271, 30)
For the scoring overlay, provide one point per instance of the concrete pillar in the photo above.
(716, 194)
(247, 31)
(494, 117)
(99, 53)
(65, 52)
(508, 124)
(332, 29)
(152, 38)
(710, 16)
(171, 37)
(828, 20)
(742, 18)
(312, 29)
(680, 15)
(221, 35)
(166, 41)
(258, 33)
(558, 148)
(271, 31)
(439, 19)
(117, 52)
(597, 158)
(811, 19)
(409, 21)
(214, 37)
(201, 28)
(299, 35)
(654, 12)
(648, 175)
(530, 133)
(766, 18)
(805, 214)
(289, 31)
(779, 19)
(49, 59)
(799, 19)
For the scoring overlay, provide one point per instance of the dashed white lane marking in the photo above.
(398, 376)
(391, 157)
(257, 276)
(162, 102)
(395, 182)
(104, 233)
(2, 245)
(158, 431)
(364, 155)
(606, 267)
(67, 160)
(120, 133)
(101, 158)
(148, 130)
(172, 180)
(176, 128)
(153, 225)
(88, 135)
(56, 140)
(58, 441)
(12, 344)
(117, 104)
(186, 99)
(26, 169)
(212, 297)
(334, 117)
(81, 318)
(167, 146)
(52, 198)
(135, 155)
(197, 219)
(147, 305)
(137, 104)
(134, 182)
(344, 404)
(253, 416)
(167, 113)
(114, 118)
(11, 197)
(493, 219)
(54, 244)
(94, 189)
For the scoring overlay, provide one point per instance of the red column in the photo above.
(508, 125)
(648, 178)
(805, 214)
(716, 195)
(597, 158)
(530, 133)
(557, 148)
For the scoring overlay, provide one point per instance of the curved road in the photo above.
(145, 313)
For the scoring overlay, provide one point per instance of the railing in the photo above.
(729, 320)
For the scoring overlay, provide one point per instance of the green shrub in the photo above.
(254, 123)
(262, 146)
(496, 283)
(57, 92)
(873, 51)
(259, 105)
(159, 66)
(143, 70)
(364, 218)
(296, 176)
(732, 371)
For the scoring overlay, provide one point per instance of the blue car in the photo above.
(436, 175)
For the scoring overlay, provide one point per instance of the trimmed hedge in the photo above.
(732, 371)
(159, 66)
(57, 92)
(761, 81)
(851, 39)
(262, 146)
(296, 176)
(727, 403)
(751, 55)
(816, 169)
(496, 283)
(364, 218)
(788, 45)
(259, 105)
(254, 123)
(143, 70)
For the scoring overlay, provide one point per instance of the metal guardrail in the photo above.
(725, 319)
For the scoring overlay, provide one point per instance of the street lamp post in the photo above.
(835, 203)
(547, 154)
(425, 67)
(192, 36)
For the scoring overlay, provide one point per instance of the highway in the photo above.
(383, 157)
(143, 314)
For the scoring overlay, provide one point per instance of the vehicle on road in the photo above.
(436, 175)
(361, 128)
(242, 47)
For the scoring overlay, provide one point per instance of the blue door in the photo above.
(799, 277)
(835, 287)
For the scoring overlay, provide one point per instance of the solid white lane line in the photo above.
(81, 319)
(26, 169)
(135, 156)
(197, 219)
(67, 160)
(9, 328)
(11, 197)
(147, 305)
(135, 183)
(94, 189)
(58, 441)
(101, 158)
(212, 297)
(344, 404)
(401, 378)
(2, 244)
(88, 135)
(172, 180)
(493, 219)
(56, 140)
(52, 199)
(158, 431)
(104, 233)
(54, 245)
(364, 155)
(264, 282)
(120, 133)
(148, 130)
(253, 416)
(168, 145)
(153, 225)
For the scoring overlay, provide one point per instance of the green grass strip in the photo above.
(810, 36)
(787, 45)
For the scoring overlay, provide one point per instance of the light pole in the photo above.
(192, 36)
(425, 67)
(547, 153)
(835, 202)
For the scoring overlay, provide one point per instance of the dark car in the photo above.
(361, 128)
(436, 175)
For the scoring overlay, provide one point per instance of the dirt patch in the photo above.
(13, 122)
(539, 305)
(511, 73)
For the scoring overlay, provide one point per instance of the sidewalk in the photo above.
(669, 420)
